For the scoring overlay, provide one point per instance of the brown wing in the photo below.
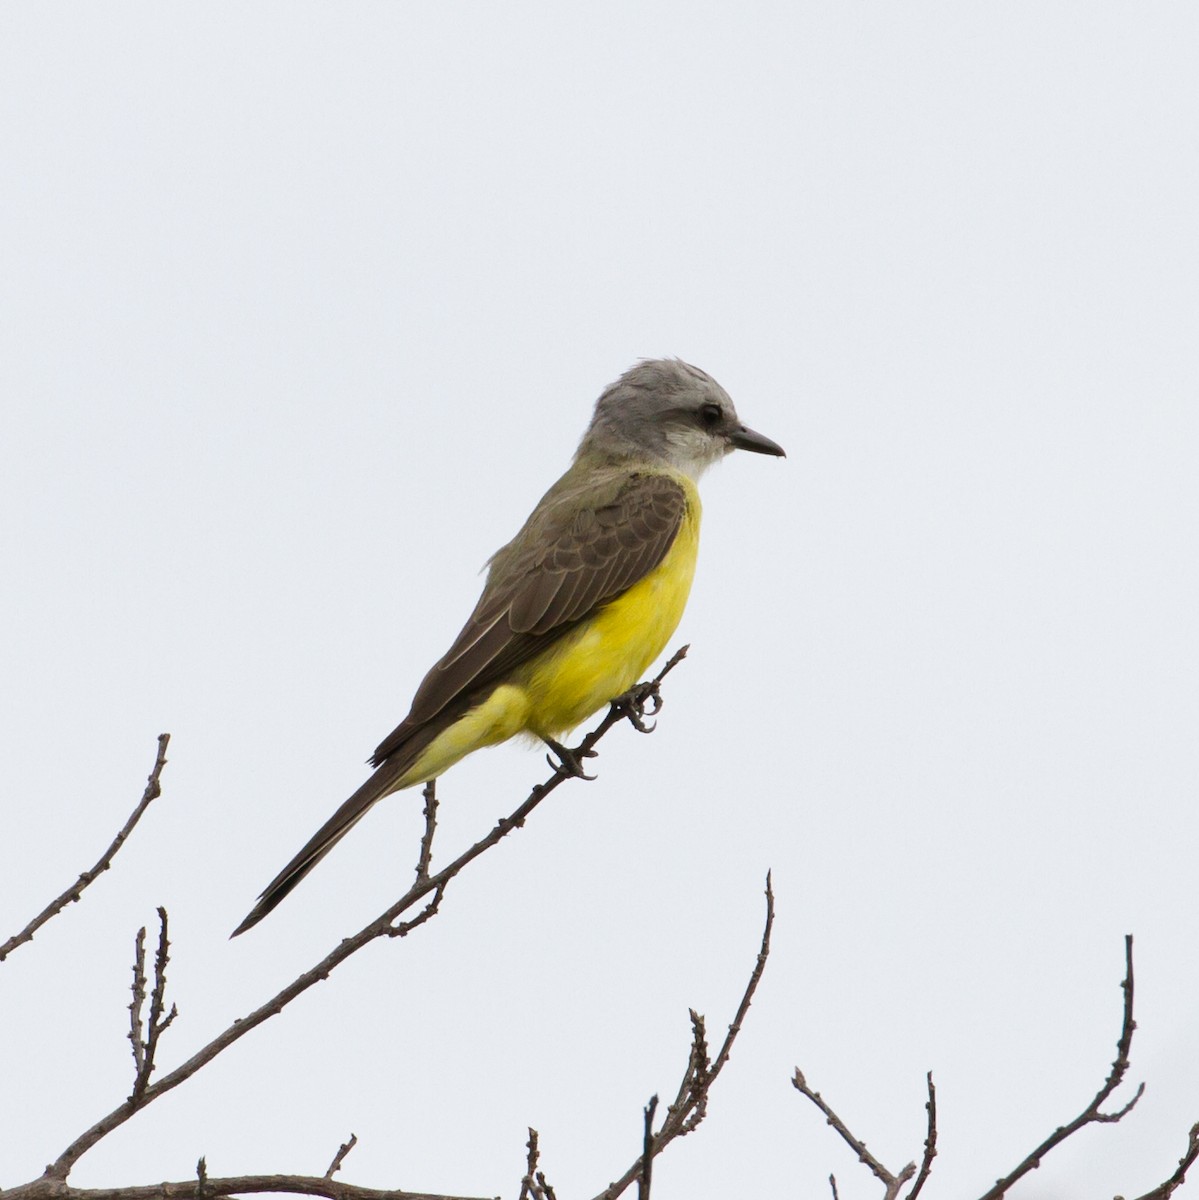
(575, 553)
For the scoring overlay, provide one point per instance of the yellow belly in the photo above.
(578, 675)
(606, 655)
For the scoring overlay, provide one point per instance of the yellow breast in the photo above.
(610, 652)
(579, 674)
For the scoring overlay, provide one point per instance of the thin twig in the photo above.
(533, 1184)
(136, 1031)
(1090, 1114)
(701, 1074)
(759, 967)
(159, 1021)
(647, 1150)
(1165, 1190)
(340, 1156)
(529, 1179)
(75, 891)
(892, 1183)
(426, 842)
(384, 925)
(930, 1141)
(145, 1043)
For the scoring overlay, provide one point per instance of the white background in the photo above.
(303, 305)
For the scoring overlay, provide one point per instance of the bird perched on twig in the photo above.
(577, 605)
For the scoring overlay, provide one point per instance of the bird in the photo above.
(576, 606)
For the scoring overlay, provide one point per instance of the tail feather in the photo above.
(388, 777)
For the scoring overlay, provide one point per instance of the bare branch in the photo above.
(426, 842)
(204, 1187)
(699, 1074)
(892, 1183)
(145, 1039)
(1165, 1190)
(534, 1185)
(431, 888)
(528, 1181)
(1091, 1114)
(647, 1150)
(136, 1033)
(930, 1141)
(340, 1156)
(159, 1021)
(691, 1102)
(75, 891)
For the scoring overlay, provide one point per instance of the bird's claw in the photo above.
(637, 703)
(568, 764)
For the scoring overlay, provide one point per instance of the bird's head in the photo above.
(666, 410)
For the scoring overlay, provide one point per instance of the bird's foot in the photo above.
(568, 764)
(640, 701)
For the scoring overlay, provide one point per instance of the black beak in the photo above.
(747, 439)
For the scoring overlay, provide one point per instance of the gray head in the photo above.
(667, 410)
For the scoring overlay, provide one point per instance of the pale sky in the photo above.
(303, 305)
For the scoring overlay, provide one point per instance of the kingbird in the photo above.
(577, 605)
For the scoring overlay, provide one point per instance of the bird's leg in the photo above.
(568, 764)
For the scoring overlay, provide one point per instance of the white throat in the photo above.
(692, 451)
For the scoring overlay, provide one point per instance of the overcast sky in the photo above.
(303, 305)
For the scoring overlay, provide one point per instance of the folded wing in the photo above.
(574, 556)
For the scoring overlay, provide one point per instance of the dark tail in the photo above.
(330, 833)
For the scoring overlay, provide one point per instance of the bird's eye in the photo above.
(711, 415)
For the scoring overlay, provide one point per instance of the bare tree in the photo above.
(417, 906)
(150, 1016)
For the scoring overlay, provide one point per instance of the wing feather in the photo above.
(530, 604)
(576, 553)
(570, 598)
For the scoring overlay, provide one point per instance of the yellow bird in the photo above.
(577, 605)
